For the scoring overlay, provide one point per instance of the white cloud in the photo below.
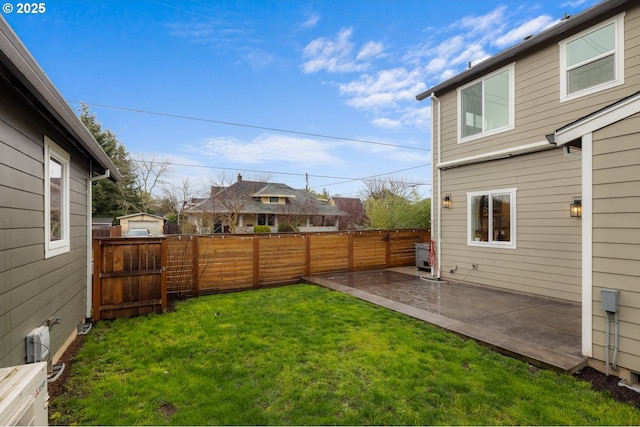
(533, 26)
(269, 148)
(337, 55)
(370, 50)
(388, 94)
(383, 90)
(483, 26)
(386, 123)
(311, 21)
(257, 58)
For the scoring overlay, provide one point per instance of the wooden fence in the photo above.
(128, 277)
(133, 276)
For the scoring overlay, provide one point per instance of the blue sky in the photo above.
(273, 88)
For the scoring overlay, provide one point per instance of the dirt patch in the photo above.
(56, 388)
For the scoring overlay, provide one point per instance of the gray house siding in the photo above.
(616, 234)
(32, 288)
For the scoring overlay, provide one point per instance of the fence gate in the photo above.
(128, 277)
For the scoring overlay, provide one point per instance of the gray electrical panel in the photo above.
(610, 300)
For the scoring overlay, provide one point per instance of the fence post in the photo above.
(387, 258)
(307, 253)
(256, 262)
(195, 265)
(164, 257)
(350, 252)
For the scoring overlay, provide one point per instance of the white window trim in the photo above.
(510, 126)
(619, 60)
(512, 212)
(57, 247)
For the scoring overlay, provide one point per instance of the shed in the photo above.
(153, 223)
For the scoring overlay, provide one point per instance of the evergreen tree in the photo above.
(110, 199)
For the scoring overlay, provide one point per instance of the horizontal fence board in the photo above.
(130, 274)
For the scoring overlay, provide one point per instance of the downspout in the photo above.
(90, 181)
(435, 99)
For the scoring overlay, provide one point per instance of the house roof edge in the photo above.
(25, 68)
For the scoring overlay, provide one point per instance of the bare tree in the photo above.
(150, 174)
(178, 196)
(386, 199)
(295, 212)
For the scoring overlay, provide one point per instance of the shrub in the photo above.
(261, 229)
(285, 228)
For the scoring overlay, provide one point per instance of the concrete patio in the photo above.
(540, 330)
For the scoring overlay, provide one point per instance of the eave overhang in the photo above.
(26, 70)
(597, 120)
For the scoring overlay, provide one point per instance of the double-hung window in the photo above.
(592, 60)
(491, 218)
(485, 106)
(56, 199)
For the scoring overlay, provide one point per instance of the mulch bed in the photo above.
(598, 380)
(601, 382)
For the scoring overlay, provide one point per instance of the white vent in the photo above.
(38, 344)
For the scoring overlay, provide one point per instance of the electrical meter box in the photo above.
(610, 300)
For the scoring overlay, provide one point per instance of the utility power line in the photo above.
(345, 179)
(245, 125)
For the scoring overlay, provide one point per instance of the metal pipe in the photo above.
(606, 346)
(615, 342)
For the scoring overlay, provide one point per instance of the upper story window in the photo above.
(56, 199)
(491, 218)
(273, 199)
(592, 60)
(485, 106)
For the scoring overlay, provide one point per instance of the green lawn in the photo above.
(301, 355)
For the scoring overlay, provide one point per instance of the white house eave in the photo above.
(605, 117)
(498, 154)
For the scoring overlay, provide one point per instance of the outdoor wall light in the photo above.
(446, 202)
(576, 209)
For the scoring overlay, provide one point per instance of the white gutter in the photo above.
(493, 155)
(434, 98)
(90, 181)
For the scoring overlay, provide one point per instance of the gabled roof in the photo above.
(562, 30)
(140, 214)
(22, 71)
(275, 190)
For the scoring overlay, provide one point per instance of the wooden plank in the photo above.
(131, 273)
(132, 304)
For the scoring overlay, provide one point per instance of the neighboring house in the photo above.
(153, 223)
(517, 139)
(48, 162)
(245, 204)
